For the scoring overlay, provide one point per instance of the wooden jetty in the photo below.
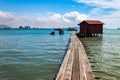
(75, 65)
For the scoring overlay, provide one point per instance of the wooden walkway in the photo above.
(75, 65)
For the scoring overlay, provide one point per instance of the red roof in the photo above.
(92, 22)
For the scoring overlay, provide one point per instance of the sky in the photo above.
(58, 13)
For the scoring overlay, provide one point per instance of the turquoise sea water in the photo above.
(31, 54)
(104, 54)
(36, 55)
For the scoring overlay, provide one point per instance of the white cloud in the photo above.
(58, 20)
(105, 10)
(96, 11)
(51, 20)
(102, 3)
(111, 20)
(75, 16)
(8, 18)
(5, 14)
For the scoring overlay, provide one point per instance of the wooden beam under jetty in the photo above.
(75, 65)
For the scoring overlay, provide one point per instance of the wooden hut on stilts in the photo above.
(89, 28)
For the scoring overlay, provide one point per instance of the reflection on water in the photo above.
(36, 55)
(105, 53)
(31, 54)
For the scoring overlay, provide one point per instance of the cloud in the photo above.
(111, 20)
(5, 14)
(115, 4)
(53, 20)
(75, 16)
(8, 18)
(105, 10)
(48, 20)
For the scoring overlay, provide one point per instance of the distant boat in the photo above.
(52, 33)
(61, 31)
(57, 29)
(118, 28)
(71, 29)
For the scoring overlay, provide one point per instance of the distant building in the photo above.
(20, 27)
(91, 27)
(25, 27)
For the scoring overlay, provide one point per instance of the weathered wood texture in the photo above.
(75, 65)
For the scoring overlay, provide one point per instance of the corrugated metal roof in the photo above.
(92, 22)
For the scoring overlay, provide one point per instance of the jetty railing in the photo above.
(75, 65)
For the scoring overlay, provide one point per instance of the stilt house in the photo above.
(91, 27)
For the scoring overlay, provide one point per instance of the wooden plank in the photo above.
(62, 69)
(75, 65)
(89, 73)
(75, 72)
(68, 73)
(82, 67)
